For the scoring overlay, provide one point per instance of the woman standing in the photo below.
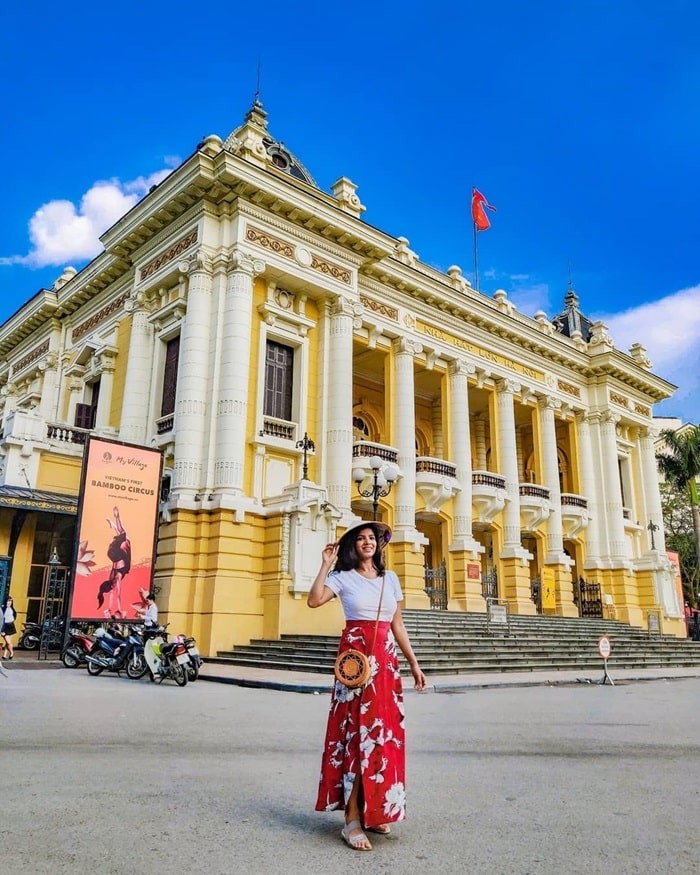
(9, 615)
(363, 765)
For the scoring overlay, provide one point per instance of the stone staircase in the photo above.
(449, 643)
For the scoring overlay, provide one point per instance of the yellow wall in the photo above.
(59, 473)
(123, 344)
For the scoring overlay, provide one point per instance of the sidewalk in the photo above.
(307, 682)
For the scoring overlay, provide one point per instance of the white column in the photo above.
(104, 402)
(508, 456)
(49, 388)
(555, 538)
(652, 496)
(137, 385)
(403, 401)
(76, 387)
(232, 395)
(614, 518)
(9, 392)
(339, 413)
(460, 451)
(589, 489)
(191, 423)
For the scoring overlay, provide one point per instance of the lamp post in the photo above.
(652, 527)
(307, 445)
(47, 625)
(384, 475)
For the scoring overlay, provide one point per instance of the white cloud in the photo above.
(530, 298)
(60, 232)
(669, 329)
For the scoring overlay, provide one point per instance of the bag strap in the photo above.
(379, 609)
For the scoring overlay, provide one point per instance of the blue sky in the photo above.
(578, 120)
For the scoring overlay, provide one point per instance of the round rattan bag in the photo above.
(352, 668)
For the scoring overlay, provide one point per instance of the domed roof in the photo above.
(572, 319)
(280, 156)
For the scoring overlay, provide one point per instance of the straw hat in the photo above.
(383, 530)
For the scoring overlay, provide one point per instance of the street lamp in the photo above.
(384, 475)
(307, 445)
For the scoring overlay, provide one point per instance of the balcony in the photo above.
(436, 482)
(165, 423)
(574, 514)
(279, 428)
(362, 454)
(362, 450)
(535, 506)
(63, 435)
(488, 495)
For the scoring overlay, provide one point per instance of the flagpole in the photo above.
(476, 258)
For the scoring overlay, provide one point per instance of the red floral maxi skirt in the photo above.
(365, 733)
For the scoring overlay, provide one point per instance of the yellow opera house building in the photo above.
(298, 369)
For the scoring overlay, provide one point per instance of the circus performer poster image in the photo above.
(117, 528)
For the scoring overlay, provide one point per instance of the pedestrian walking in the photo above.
(363, 762)
(9, 615)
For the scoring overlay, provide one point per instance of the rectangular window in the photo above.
(279, 380)
(85, 414)
(172, 354)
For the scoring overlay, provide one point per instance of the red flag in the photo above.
(479, 216)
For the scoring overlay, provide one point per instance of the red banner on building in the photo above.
(117, 530)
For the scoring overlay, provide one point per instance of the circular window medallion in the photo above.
(303, 256)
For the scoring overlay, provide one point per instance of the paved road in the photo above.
(111, 775)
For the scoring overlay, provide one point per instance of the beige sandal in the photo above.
(383, 829)
(355, 842)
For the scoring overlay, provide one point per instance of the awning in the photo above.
(21, 498)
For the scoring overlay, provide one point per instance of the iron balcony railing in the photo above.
(427, 465)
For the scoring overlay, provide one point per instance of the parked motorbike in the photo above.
(30, 636)
(195, 660)
(77, 647)
(166, 659)
(117, 653)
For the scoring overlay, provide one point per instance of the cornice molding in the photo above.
(297, 233)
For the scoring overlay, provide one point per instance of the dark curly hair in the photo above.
(348, 558)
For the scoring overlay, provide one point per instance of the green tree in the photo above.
(679, 462)
(680, 537)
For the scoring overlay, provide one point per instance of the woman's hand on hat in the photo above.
(330, 553)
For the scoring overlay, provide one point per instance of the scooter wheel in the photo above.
(179, 674)
(136, 667)
(71, 657)
(192, 672)
(94, 669)
(29, 642)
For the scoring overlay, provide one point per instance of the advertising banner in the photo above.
(676, 562)
(117, 529)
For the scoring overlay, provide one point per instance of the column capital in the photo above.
(406, 346)
(548, 402)
(198, 262)
(242, 262)
(507, 387)
(587, 417)
(461, 368)
(140, 300)
(609, 418)
(49, 362)
(342, 306)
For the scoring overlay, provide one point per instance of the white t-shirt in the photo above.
(150, 618)
(360, 596)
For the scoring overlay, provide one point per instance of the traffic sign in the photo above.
(604, 646)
